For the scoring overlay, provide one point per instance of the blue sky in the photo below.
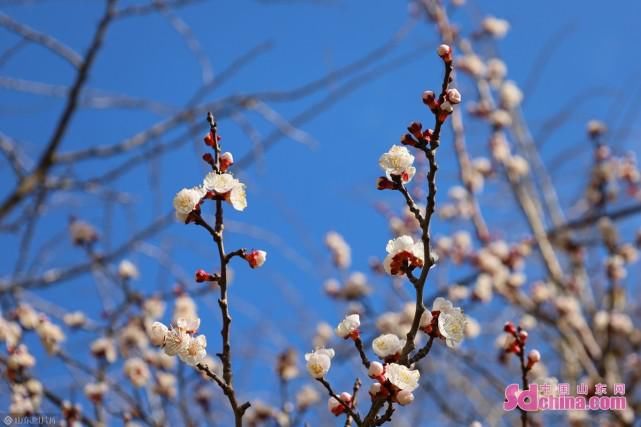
(297, 193)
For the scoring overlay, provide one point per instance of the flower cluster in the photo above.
(180, 340)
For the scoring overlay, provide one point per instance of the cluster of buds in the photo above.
(219, 184)
(516, 345)
(337, 407)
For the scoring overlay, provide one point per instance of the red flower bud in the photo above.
(209, 139)
(382, 183)
(509, 328)
(202, 276)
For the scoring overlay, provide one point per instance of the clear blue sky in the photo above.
(297, 193)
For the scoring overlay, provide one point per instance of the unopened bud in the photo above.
(445, 52)
(533, 357)
(382, 183)
(509, 328)
(226, 160)
(454, 96)
(256, 258)
(404, 397)
(429, 99)
(376, 369)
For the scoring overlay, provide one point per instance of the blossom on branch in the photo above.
(224, 185)
(319, 362)
(403, 254)
(348, 328)
(186, 201)
(398, 162)
(451, 321)
(387, 345)
(402, 377)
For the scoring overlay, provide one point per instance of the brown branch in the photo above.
(38, 176)
(347, 406)
(45, 40)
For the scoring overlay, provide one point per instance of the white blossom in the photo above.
(403, 250)
(398, 161)
(219, 183)
(127, 270)
(176, 341)
(426, 319)
(238, 197)
(137, 371)
(451, 321)
(306, 397)
(186, 200)
(510, 95)
(387, 345)
(50, 335)
(341, 252)
(402, 377)
(195, 351)
(157, 333)
(105, 348)
(348, 326)
(74, 319)
(495, 27)
(319, 362)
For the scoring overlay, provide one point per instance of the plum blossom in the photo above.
(137, 371)
(451, 321)
(401, 251)
(228, 187)
(195, 351)
(186, 200)
(387, 345)
(341, 252)
(398, 162)
(348, 327)
(402, 377)
(127, 270)
(495, 27)
(157, 333)
(319, 362)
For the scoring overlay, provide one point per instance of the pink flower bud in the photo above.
(226, 160)
(445, 52)
(335, 406)
(404, 397)
(523, 336)
(429, 99)
(533, 357)
(375, 389)
(509, 328)
(375, 370)
(256, 258)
